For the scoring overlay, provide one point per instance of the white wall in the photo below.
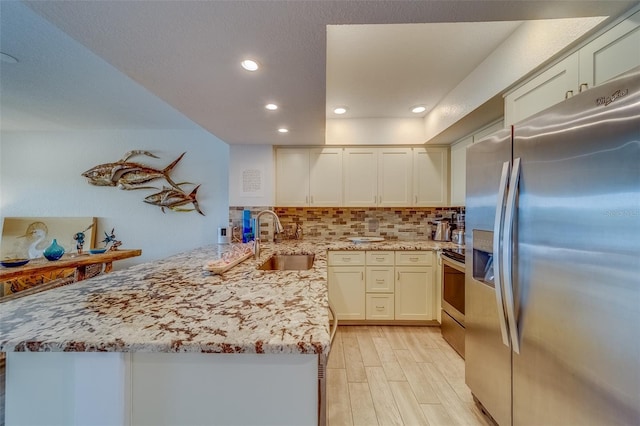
(40, 175)
(374, 131)
(243, 158)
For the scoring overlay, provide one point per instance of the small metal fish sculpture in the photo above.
(129, 175)
(174, 199)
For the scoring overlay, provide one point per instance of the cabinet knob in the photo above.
(379, 307)
(379, 280)
(583, 86)
(380, 259)
(346, 259)
(413, 259)
(568, 94)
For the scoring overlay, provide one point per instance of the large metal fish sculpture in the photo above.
(129, 175)
(174, 199)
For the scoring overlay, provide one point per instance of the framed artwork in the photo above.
(27, 237)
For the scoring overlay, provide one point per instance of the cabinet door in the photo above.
(414, 293)
(458, 170)
(325, 177)
(611, 54)
(430, 177)
(360, 177)
(543, 91)
(394, 177)
(292, 177)
(347, 291)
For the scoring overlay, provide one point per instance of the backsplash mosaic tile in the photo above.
(392, 223)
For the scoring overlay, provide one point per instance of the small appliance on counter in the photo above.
(443, 231)
(457, 236)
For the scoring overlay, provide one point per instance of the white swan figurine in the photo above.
(34, 251)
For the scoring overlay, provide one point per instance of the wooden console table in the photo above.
(77, 261)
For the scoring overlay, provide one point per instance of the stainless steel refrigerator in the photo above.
(553, 278)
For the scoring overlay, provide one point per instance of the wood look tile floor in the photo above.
(392, 375)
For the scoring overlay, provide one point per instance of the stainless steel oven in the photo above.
(453, 298)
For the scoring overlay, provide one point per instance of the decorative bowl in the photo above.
(12, 263)
(97, 250)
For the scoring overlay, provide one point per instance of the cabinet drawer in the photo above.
(380, 279)
(380, 306)
(414, 258)
(346, 257)
(380, 257)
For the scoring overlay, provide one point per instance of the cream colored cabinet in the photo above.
(292, 177)
(360, 177)
(377, 177)
(415, 295)
(325, 177)
(430, 177)
(346, 282)
(546, 89)
(394, 177)
(380, 285)
(458, 170)
(610, 54)
(365, 285)
(459, 161)
(380, 306)
(309, 177)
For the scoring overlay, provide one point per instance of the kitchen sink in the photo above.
(288, 262)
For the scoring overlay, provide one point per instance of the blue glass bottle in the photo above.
(54, 251)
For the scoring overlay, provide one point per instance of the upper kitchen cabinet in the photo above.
(611, 54)
(430, 177)
(608, 55)
(394, 177)
(459, 161)
(360, 177)
(546, 89)
(458, 170)
(309, 177)
(377, 177)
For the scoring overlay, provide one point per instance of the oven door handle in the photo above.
(497, 250)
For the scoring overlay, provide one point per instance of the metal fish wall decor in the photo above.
(128, 175)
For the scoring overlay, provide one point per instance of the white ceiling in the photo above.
(187, 55)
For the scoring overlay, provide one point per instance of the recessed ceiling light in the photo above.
(340, 110)
(250, 65)
(283, 130)
(4, 57)
(418, 109)
(271, 107)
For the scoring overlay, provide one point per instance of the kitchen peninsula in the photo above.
(168, 343)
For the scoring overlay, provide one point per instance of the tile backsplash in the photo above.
(392, 223)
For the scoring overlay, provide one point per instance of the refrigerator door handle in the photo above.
(507, 247)
(497, 261)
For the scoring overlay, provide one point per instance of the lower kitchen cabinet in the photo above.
(414, 293)
(346, 291)
(380, 306)
(382, 285)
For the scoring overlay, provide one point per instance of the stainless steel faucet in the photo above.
(278, 228)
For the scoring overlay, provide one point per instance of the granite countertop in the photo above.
(174, 306)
